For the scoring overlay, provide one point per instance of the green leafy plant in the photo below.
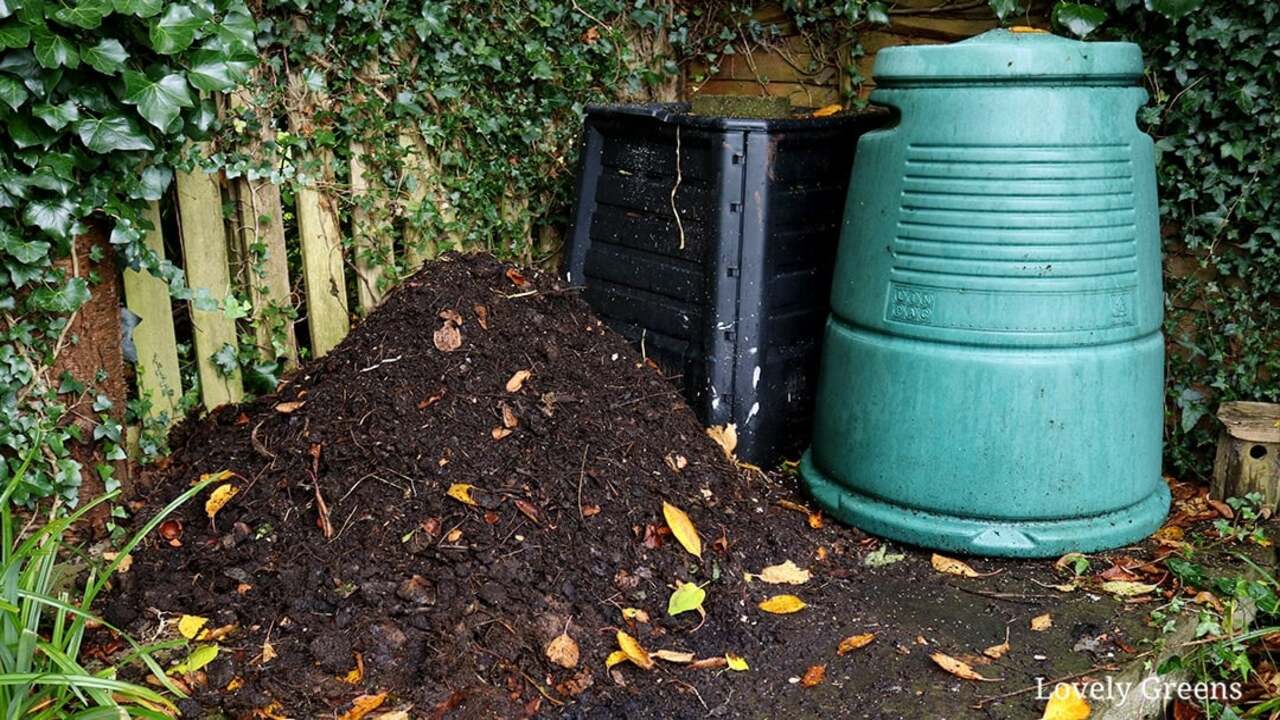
(45, 611)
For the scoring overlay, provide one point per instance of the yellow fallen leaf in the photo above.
(947, 565)
(614, 658)
(827, 110)
(636, 654)
(673, 656)
(787, 573)
(726, 436)
(630, 613)
(782, 604)
(958, 668)
(235, 684)
(356, 675)
(995, 652)
(189, 626)
(1124, 588)
(220, 496)
(268, 653)
(517, 380)
(462, 493)
(1065, 703)
(1040, 623)
(364, 705)
(814, 675)
(736, 662)
(854, 642)
(215, 476)
(682, 527)
(563, 651)
(288, 407)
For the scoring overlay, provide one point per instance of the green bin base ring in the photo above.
(996, 538)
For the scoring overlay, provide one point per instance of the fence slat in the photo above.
(417, 249)
(372, 245)
(320, 237)
(147, 297)
(261, 229)
(204, 247)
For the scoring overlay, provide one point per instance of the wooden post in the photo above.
(1248, 458)
(147, 297)
(204, 247)
(320, 234)
(372, 244)
(417, 248)
(261, 230)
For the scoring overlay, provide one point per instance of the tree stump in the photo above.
(1248, 458)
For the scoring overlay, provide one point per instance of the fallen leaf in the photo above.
(673, 656)
(710, 663)
(960, 669)
(726, 436)
(688, 596)
(517, 380)
(509, 419)
(462, 493)
(217, 633)
(500, 432)
(949, 566)
(1221, 508)
(563, 651)
(451, 315)
(364, 705)
(614, 658)
(235, 684)
(1040, 623)
(1168, 534)
(356, 675)
(430, 400)
(682, 527)
(782, 605)
(827, 110)
(814, 675)
(201, 656)
(676, 462)
(220, 496)
(636, 614)
(786, 573)
(515, 277)
(854, 642)
(268, 653)
(995, 652)
(448, 338)
(736, 662)
(529, 510)
(815, 520)
(1065, 703)
(635, 653)
(189, 626)
(482, 315)
(881, 556)
(1073, 561)
(1125, 588)
(288, 407)
(590, 510)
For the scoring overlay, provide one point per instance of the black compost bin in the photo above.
(731, 299)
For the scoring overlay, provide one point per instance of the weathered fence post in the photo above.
(373, 247)
(154, 341)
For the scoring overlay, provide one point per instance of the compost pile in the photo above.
(478, 468)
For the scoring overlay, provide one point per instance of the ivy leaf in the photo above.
(7, 7)
(26, 133)
(112, 133)
(878, 13)
(212, 72)
(1003, 8)
(1174, 9)
(226, 361)
(53, 217)
(237, 29)
(107, 57)
(14, 34)
(27, 252)
(155, 180)
(54, 51)
(159, 101)
(86, 14)
(57, 116)
(138, 8)
(1078, 19)
(175, 30)
(12, 92)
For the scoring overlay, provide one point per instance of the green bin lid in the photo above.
(1010, 55)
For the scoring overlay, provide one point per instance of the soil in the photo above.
(449, 607)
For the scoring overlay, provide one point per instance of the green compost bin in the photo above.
(992, 373)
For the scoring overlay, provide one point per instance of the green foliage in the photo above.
(99, 98)
(46, 600)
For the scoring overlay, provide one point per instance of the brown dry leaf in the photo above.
(356, 675)
(1221, 508)
(451, 315)
(447, 338)
(453, 536)
(787, 573)
(673, 656)
(682, 527)
(854, 642)
(268, 653)
(590, 36)
(218, 499)
(499, 432)
(517, 380)
(960, 669)
(515, 277)
(949, 566)
(635, 653)
(288, 407)
(815, 520)
(827, 110)
(482, 315)
(783, 605)
(509, 419)
(216, 634)
(1040, 623)
(590, 510)
(529, 510)
(1169, 534)
(364, 705)
(563, 651)
(636, 614)
(1067, 561)
(1065, 703)
(462, 493)
(814, 675)
(711, 663)
(726, 436)
(995, 652)
(676, 462)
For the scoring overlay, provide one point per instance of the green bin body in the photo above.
(992, 372)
